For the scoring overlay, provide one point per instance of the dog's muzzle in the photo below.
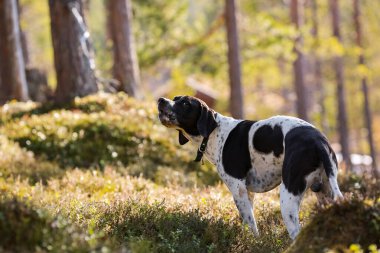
(165, 112)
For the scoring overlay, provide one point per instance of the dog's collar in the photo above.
(202, 147)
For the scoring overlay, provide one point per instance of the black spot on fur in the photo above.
(236, 158)
(268, 139)
(306, 149)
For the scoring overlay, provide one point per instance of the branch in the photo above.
(177, 49)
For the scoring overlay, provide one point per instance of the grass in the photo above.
(62, 190)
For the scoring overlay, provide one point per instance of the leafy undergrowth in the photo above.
(68, 184)
(352, 226)
(105, 209)
(25, 227)
(102, 130)
(338, 227)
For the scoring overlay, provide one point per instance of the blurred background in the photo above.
(315, 59)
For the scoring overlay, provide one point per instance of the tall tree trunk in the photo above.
(318, 68)
(367, 109)
(23, 37)
(125, 67)
(73, 55)
(341, 96)
(236, 96)
(296, 14)
(13, 84)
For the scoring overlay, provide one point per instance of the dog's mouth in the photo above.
(167, 117)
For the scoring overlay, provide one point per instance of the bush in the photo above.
(27, 228)
(20, 163)
(104, 130)
(339, 226)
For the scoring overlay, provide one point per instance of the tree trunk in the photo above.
(13, 81)
(236, 96)
(338, 67)
(73, 55)
(296, 14)
(318, 69)
(23, 37)
(125, 67)
(367, 109)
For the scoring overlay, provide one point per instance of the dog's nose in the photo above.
(161, 100)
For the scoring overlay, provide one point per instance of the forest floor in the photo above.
(101, 174)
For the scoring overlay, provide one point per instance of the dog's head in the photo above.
(186, 113)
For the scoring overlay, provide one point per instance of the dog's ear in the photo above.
(181, 138)
(177, 98)
(206, 122)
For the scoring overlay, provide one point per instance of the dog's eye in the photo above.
(186, 104)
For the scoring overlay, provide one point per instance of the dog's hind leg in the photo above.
(241, 197)
(290, 205)
(330, 188)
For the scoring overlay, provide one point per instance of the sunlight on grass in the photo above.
(49, 201)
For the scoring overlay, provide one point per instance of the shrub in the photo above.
(27, 228)
(104, 130)
(18, 162)
(339, 226)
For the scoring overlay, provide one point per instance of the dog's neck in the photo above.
(216, 138)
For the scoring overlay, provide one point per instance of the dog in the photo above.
(257, 156)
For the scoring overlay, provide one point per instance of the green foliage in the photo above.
(104, 130)
(178, 40)
(27, 228)
(18, 162)
(353, 222)
(47, 204)
(174, 231)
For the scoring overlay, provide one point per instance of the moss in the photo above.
(17, 162)
(104, 130)
(339, 226)
(27, 228)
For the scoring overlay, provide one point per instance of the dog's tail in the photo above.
(327, 157)
(330, 165)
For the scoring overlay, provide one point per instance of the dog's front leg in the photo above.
(241, 197)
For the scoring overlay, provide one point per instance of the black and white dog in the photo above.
(257, 156)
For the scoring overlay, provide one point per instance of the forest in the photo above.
(86, 166)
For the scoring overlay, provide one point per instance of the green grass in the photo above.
(61, 190)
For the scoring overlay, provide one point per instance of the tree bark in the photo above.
(364, 86)
(125, 67)
(296, 14)
(341, 96)
(13, 82)
(318, 68)
(73, 55)
(236, 96)
(23, 37)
